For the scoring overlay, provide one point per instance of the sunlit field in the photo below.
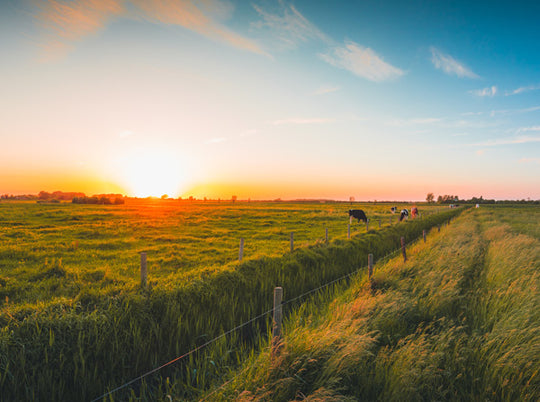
(458, 321)
(76, 321)
(55, 250)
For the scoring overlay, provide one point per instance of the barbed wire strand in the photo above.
(244, 324)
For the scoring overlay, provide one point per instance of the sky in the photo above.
(376, 100)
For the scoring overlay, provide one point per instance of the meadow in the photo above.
(56, 250)
(458, 321)
(75, 321)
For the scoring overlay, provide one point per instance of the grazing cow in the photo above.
(404, 213)
(357, 214)
(393, 209)
(414, 212)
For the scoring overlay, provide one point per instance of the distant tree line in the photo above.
(452, 199)
(103, 199)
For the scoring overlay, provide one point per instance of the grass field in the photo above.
(56, 250)
(75, 321)
(458, 321)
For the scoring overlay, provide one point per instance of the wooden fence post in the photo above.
(403, 249)
(326, 236)
(292, 242)
(241, 252)
(278, 316)
(370, 265)
(379, 223)
(424, 234)
(144, 270)
(349, 231)
(367, 225)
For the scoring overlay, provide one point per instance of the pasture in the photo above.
(458, 321)
(56, 250)
(75, 321)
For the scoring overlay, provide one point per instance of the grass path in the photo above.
(459, 321)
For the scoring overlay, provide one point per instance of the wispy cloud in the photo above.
(189, 14)
(507, 141)
(66, 22)
(415, 121)
(325, 89)
(362, 62)
(530, 160)
(450, 65)
(494, 113)
(528, 129)
(489, 91)
(289, 26)
(215, 140)
(296, 120)
(522, 89)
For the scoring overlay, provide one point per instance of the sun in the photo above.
(152, 173)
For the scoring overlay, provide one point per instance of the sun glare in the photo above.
(152, 173)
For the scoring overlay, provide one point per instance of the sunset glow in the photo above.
(271, 99)
(152, 173)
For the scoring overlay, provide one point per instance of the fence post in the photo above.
(390, 221)
(241, 252)
(379, 223)
(278, 315)
(144, 271)
(326, 236)
(367, 225)
(403, 249)
(370, 265)
(292, 242)
(424, 234)
(349, 231)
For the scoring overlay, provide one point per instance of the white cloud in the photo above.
(493, 113)
(450, 65)
(508, 141)
(530, 160)
(526, 129)
(66, 22)
(326, 89)
(362, 62)
(215, 140)
(522, 89)
(296, 120)
(288, 25)
(489, 91)
(415, 121)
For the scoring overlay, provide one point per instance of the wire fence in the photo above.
(382, 259)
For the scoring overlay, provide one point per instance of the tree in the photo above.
(430, 197)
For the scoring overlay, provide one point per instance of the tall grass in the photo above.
(459, 321)
(78, 348)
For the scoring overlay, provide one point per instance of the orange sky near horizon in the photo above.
(290, 100)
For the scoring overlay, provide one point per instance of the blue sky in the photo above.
(268, 99)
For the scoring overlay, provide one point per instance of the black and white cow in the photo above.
(404, 214)
(393, 209)
(357, 214)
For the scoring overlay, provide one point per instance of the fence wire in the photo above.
(384, 258)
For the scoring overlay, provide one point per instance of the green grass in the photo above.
(458, 321)
(75, 331)
(84, 247)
